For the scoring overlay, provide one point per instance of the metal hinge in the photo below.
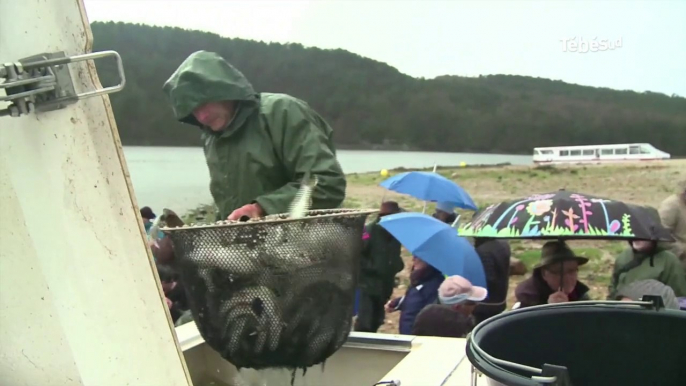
(43, 82)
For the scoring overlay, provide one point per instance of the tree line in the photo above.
(372, 105)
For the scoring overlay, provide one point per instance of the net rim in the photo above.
(311, 215)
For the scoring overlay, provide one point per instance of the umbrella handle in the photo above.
(434, 171)
(457, 219)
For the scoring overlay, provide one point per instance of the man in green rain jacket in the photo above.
(258, 146)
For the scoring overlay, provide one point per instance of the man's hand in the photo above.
(250, 210)
(389, 307)
(558, 297)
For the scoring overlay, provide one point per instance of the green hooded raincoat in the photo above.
(662, 265)
(268, 147)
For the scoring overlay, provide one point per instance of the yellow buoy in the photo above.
(463, 164)
(384, 173)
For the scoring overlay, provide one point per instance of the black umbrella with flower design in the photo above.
(566, 215)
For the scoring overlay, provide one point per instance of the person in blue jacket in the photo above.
(148, 219)
(423, 290)
(148, 216)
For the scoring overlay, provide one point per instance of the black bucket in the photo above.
(582, 344)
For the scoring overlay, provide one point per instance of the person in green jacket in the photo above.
(258, 146)
(380, 263)
(646, 259)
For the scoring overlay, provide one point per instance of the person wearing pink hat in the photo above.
(452, 316)
(456, 290)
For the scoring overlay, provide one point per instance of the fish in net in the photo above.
(276, 291)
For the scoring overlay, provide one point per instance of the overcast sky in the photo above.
(641, 45)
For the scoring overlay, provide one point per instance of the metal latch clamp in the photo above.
(43, 82)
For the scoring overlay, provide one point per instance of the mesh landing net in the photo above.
(273, 292)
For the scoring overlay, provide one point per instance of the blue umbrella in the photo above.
(437, 243)
(429, 187)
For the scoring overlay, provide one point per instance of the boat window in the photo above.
(621, 151)
(589, 152)
(645, 150)
(575, 152)
(606, 152)
(547, 152)
(564, 152)
(634, 150)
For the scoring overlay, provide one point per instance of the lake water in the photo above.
(177, 178)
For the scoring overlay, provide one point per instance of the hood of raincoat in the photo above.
(206, 77)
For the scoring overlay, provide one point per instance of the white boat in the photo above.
(598, 153)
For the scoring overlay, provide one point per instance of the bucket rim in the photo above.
(311, 215)
(485, 363)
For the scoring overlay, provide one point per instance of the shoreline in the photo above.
(203, 211)
(485, 172)
(365, 148)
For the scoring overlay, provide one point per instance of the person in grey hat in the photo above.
(636, 290)
(554, 278)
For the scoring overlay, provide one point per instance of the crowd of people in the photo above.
(438, 306)
(433, 304)
(259, 146)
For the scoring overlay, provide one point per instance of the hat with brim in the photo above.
(557, 252)
(457, 289)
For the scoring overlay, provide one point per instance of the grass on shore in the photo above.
(640, 183)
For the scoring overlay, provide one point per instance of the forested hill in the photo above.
(372, 105)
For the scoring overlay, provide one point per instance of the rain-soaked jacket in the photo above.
(661, 265)
(271, 143)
